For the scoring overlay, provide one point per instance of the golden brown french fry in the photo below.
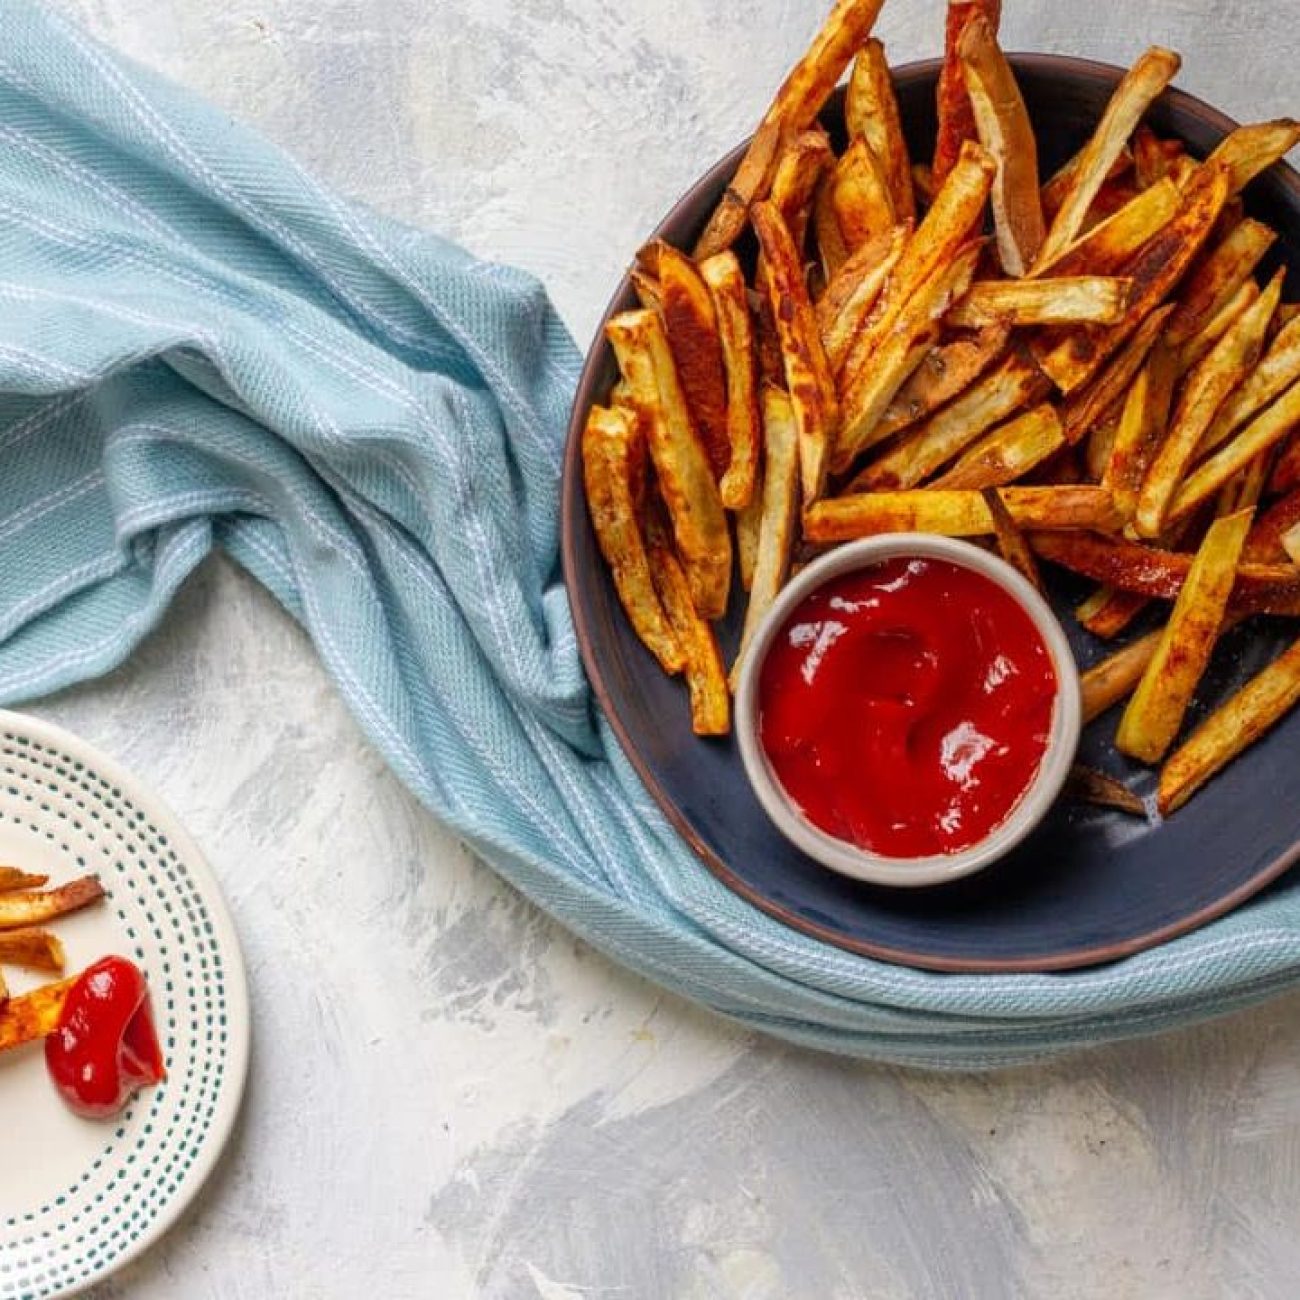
(1058, 187)
(681, 465)
(1113, 678)
(797, 103)
(1011, 541)
(780, 516)
(1153, 71)
(1207, 386)
(1193, 352)
(726, 284)
(956, 513)
(1230, 730)
(1088, 785)
(807, 371)
(956, 116)
(1004, 129)
(647, 289)
(1013, 384)
(832, 247)
(1072, 357)
(1262, 433)
(1264, 545)
(854, 292)
(34, 948)
(1009, 451)
(748, 522)
(800, 167)
(1089, 299)
(946, 370)
(1251, 149)
(613, 460)
(1214, 282)
(1278, 369)
(1107, 612)
(706, 682)
(1098, 445)
(33, 1016)
(1152, 156)
(1142, 426)
(17, 878)
(858, 193)
(27, 907)
(871, 115)
(1156, 711)
(1107, 247)
(1286, 468)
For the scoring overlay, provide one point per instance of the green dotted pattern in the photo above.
(147, 1157)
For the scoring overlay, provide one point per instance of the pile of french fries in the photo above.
(25, 908)
(1082, 369)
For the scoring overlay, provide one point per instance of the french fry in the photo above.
(1156, 711)
(691, 324)
(1142, 426)
(1207, 386)
(1291, 543)
(706, 682)
(1004, 130)
(1114, 678)
(1107, 612)
(33, 948)
(1193, 352)
(1264, 545)
(1230, 730)
(33, 1016)
(613, 458)
(946, 370)
(748, 522)
(858, 194)
(1012, 385)
(797, 103)
(648, 292)
(1133, 96)
(726, 284)
(955, 513)
(1107, 247)
(1286, 468)
(1056, 190)
(1011, 541)
(1088, 785)
(871, 115)
(681, 465)
(1278, 370)
(1095, 300)
(17, 878)
(1152, 156)
(1249, 150)
(832, 247)
(1009, 451)
(1098, 445)
(807, 371)
(800, 167)
(956, 116)
(849, 299)
(27, 907)
(780, 515)
(1212, 284)
(1264, 432)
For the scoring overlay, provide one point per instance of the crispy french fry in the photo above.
(1222, 272)
(832, 247)
(1009, 451)
(1004, 129)
(1107, 612)
(1153, 156)
(800, 167)
(871, 115)
(726, 284)
(748, 522)
(1207, 386)
(1230, 730)
(1264, 545)
(613, 459)
(706, 682)
(1107, 247)
(854, 292)
(1056, 190)
(807, 371)
(1278, 369)
(780, 516)
(956, 116)
(797, 103)
(1264, 432)
(858, 192)
(1286, 468)
(1249, 150)
(1142, 426)
(1098, 445)
(1088, 785)
(33, 1016)
(1193, 352)
(17, 878)
(1012, 385)
(34, 948)
(684, 475)
(1133, 96)
(27, 907)
(1011, 541)
(1095, 299)
(1115, 677)
(1156, 711)
(955, 513)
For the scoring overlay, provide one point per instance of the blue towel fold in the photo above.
(201, 347)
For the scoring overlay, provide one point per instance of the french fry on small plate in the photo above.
(32, 1016)
(1088, 785)
(19, 908)
(17, 878)
(32, 947)
(1107, 612)
(1115, 677)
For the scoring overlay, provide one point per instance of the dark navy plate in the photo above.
(1089, 886)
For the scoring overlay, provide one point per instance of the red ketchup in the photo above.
(106, 1047)
(906, 707)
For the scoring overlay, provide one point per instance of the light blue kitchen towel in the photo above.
(202, 348)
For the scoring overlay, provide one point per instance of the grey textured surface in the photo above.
(450, 1097)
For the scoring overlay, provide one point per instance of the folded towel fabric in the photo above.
(201, 347)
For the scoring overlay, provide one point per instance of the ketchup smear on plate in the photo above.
(906, 707)
(106, 1047)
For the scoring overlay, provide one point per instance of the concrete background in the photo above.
(450, 1096)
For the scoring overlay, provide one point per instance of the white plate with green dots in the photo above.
(80, 1198)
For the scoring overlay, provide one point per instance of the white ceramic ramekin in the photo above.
(849, 859)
